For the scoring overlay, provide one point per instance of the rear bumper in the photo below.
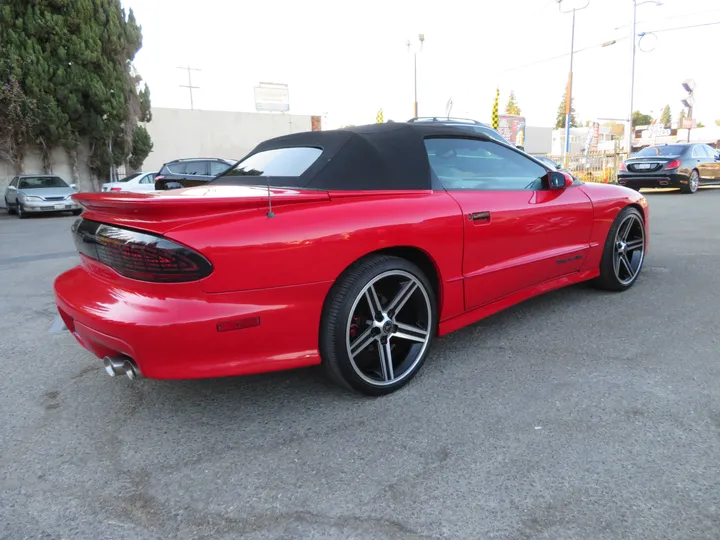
(172, 332)
(658, 180)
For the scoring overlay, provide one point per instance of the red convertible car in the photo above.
(351, 248)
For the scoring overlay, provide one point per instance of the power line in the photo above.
(673, 18)
(605, 44)
(681, 27)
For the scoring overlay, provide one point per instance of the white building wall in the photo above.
(538, 140)
(184, 133)
(61, 166)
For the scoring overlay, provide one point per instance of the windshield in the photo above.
(42, 182)
(128, 178)
(668, 150)
(280, 162)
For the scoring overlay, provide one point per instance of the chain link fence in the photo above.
(593, 167)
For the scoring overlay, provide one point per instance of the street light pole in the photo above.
(568, 92)
(421, 37)
(415, 77)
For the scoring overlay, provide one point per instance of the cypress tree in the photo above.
(73, 59)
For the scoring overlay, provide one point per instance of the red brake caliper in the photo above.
(354, 327)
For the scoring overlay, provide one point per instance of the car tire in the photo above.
(624, 252)
(390, 348)
(19, 211)
(8, 208)
(693, 183)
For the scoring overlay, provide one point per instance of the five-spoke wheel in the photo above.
(624, 252)
(378, 324)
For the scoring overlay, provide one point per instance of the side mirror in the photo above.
(559, 180)
(12, 188)
(73, 186)
(559, 165)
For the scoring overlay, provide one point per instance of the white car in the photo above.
(138, 183)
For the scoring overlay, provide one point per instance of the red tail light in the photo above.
(115, 189)
(137, 255)
(623, 167)
(674, 164)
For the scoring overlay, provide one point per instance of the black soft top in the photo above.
(388, 156)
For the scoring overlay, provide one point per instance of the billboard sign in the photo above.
(271, 97)
(512, 128)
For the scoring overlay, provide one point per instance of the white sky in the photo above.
(346, 60)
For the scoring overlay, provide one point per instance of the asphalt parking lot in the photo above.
(577, 415)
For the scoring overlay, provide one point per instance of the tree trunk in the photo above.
(46, 159)
(73, 155)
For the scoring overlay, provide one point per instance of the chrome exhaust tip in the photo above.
(121, 365)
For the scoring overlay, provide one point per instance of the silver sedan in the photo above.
(40, 193)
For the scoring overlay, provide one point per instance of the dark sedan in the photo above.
(685, 166)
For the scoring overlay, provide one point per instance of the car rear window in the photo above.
(667, 150)
(280, 162)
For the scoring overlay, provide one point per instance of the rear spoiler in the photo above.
(192, 202)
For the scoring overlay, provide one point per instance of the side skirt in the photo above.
(469, 317)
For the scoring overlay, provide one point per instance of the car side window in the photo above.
(710, 151)
(698, 151)
(177, 168)
(482, 165)
(199, 168)
(149, 179)
(14, 182)
(217, 167)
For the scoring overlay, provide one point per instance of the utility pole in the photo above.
(568, 93)
(630, 135)
(189, 85)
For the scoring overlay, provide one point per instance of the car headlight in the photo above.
(29, 198)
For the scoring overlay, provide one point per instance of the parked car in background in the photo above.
(137, 183)
(40, 193)
(684, 165)
(553, 165)
(463, 123)
(350, 248)
(190, 172)
(549, 162)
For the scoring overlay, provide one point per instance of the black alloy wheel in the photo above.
(624, 252)
(377, 325)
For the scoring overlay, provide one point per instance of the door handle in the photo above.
(479, 216)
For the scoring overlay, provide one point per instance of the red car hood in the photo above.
(161, 211)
